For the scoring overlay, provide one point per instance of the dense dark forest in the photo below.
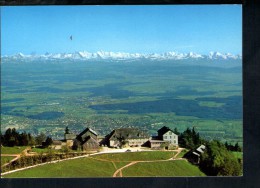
(217, 159)
(13, 138)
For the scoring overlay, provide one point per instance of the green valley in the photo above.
(47, 97)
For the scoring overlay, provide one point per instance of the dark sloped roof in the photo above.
(163, 130)
(155, 138)
(89, 139)
(86, 130)
(127, 133)
(82, 135)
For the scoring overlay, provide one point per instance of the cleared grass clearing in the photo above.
(13, 150)
(105, 165)
(137, 156)
(43, 150)
(162, 169)
(85, 167)
(6, 159)
(182, 153)
(238, 155)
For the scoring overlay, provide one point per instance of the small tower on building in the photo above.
(69, 137)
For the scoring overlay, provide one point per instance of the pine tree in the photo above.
(48, 141)
(7, 137)
(67, 131)
(237, 147)
(176, 131)
(2, 140)
(31, 140)
(218, 161)
(23, 139)
(40, 138)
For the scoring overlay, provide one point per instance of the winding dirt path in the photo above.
(135, 162)
(17, 156)
(178, 152)
(120, 169)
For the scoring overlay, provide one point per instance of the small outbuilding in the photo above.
(194, 155)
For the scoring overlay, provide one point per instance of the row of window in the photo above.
(165, 137)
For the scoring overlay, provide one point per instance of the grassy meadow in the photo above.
(13, 150)
(137, 156)
(105, 165)
(85, 167)
(162, 169)
(238, 155)
(6, 159)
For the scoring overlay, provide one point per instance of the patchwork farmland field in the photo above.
(47, 97)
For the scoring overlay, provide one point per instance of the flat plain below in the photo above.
(47, 97)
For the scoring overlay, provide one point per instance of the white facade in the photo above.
(170, 137)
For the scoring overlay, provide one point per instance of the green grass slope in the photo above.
(106, 164)
(13, 150)
(6, 159)
(84, 167)
(137, 156)
(162, 169)
(238, 155)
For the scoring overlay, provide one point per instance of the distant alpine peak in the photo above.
(102, 55)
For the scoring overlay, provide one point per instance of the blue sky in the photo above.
(134, 29)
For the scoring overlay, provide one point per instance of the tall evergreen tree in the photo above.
(31, 140)
(189, 139)
(23, 139)
(237, 147)
(218, 161)
(15, 137)
(1, 139)
(11, 137)
(175, 130)
(48, 141)
(67, 131)
(7, 137)
(40, 138)
(195, 137)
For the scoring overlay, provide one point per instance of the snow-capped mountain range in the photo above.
(121, 56)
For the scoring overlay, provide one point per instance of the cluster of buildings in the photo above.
(88, 139)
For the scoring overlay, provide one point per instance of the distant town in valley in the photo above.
(157, 111)
(121, 91)
(160, 111)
